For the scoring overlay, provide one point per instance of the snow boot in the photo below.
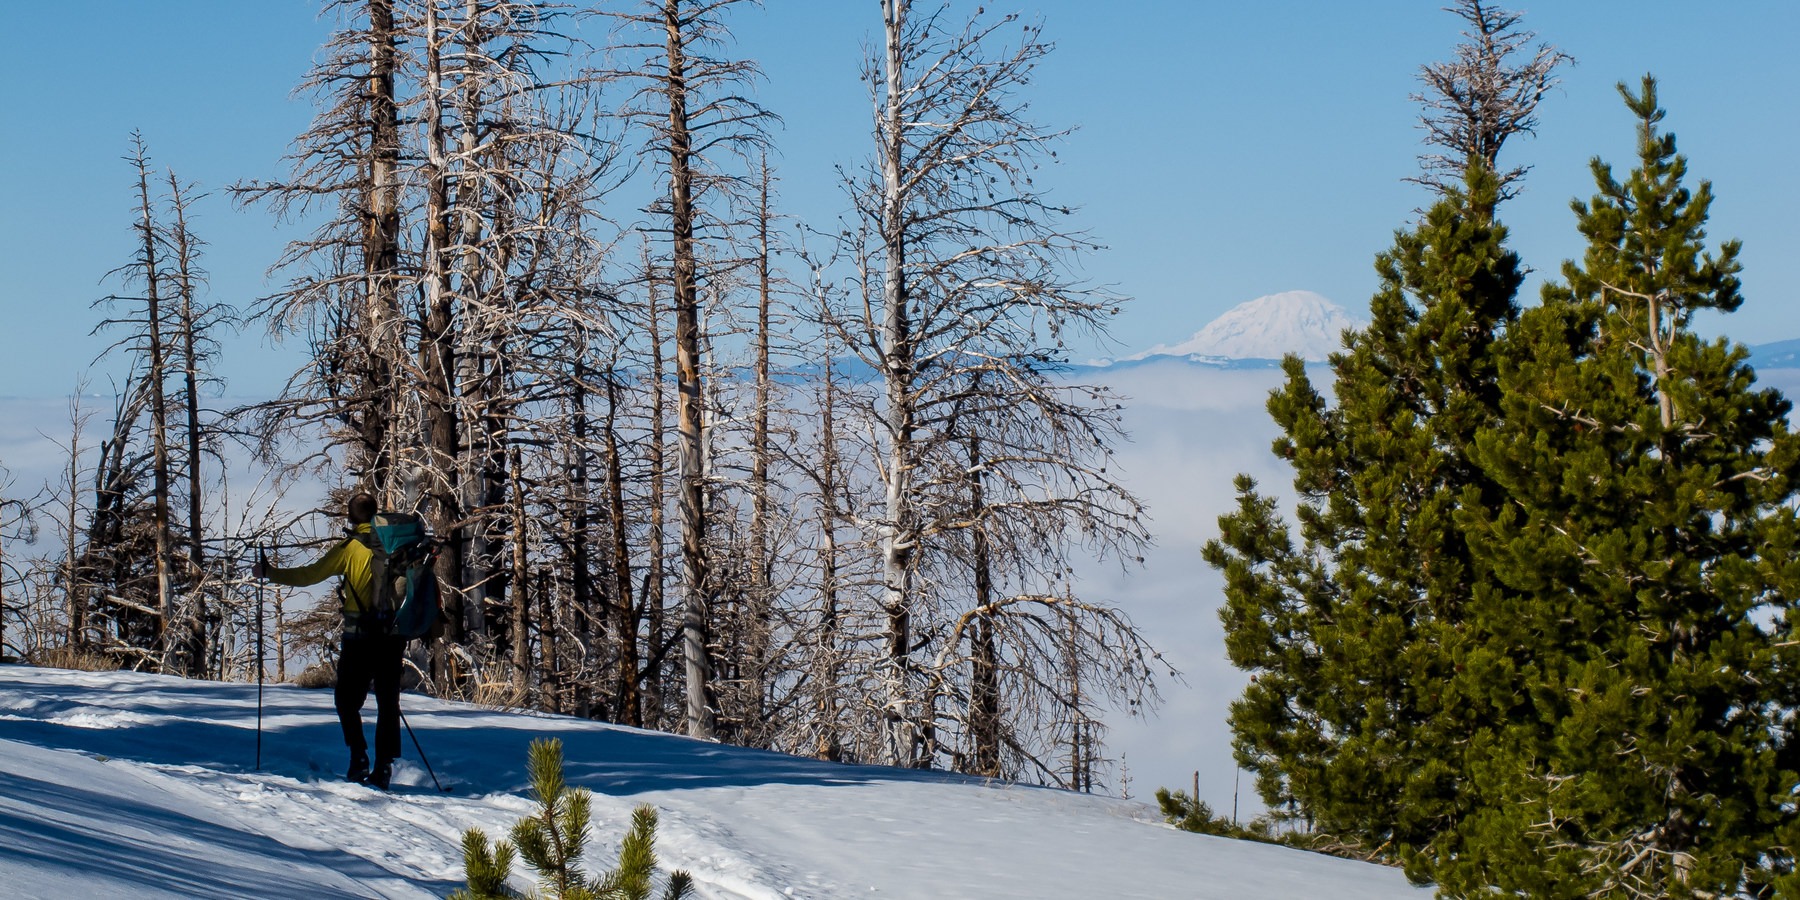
(359, 767)
(382, 774)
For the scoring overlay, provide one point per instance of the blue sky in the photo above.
(1224, 150)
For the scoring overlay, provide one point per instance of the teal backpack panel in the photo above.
(407, 598)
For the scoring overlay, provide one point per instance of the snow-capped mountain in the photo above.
(1268, 327)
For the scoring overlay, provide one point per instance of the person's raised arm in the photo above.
(324, 567)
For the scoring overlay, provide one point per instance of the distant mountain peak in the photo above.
(1269, 327)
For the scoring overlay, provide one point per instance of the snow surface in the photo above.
(122, 784)
(1268, 327)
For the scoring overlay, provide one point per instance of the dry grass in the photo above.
(502, 695)
(318, 675)
(75, 658)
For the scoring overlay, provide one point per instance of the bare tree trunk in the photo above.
(898, 539)
(984, 686)
(550, 682)
(582, 592)
(761, 624)
(73, 594)
(625, 681)
(481, 371)
(830, 741)
(521, 612)
(381, 254)
(437, 353)
(702, 717)
(1081, 738)
(280, 637)
(1659, 355)
(157, 370)
(654, 577)
(195, 621)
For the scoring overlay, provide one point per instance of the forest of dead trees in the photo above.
(695, 466)
(700, 467)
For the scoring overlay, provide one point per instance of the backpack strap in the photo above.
(356, 624)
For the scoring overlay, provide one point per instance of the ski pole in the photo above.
(261, 562)
(427, 762)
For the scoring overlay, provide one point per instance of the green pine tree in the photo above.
(1191, 814)
(552, 842)
(1640, 564)
(486, 869)
(1350, 631)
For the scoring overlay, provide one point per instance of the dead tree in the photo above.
(346, 277)
(70, 573)
(145, 322)
(17, 524)
(119, 540)
(195, 322)
(1489, 93)
(656, 537)
(967, 306)
(148, 270)
(761, 589)
(453, 137)
(693, 106)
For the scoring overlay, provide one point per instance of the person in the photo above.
(368, 655)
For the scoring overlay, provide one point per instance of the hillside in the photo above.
(122, 784)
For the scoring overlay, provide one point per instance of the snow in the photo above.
(123, 784)
(1270, 327)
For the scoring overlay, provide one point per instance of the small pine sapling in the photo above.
(637, 862)
(551, 843)
(1191, 813)
(487, 869)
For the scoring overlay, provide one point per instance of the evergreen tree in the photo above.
(551, 843)
(486, 868)
(1636, 566)
(1192, 814)
(1351, 632)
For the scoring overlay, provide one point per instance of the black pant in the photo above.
(362, 662)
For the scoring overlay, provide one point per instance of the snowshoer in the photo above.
(369, 654)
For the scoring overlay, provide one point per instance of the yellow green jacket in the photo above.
(351, 559)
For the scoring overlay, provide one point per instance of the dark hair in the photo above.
(361, 508)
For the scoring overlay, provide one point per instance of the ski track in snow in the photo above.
(120, 784)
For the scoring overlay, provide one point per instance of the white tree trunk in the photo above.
(896, 532)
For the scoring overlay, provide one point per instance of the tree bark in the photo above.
(830, 742)
(702, 716)
(184, 281)
(654, 575)
(156, 372)
(984, 682)
(437, 355)
(381, 254)
(761, 623)
(73, 594)
(521, 607)
(898, 540)
(625, 616)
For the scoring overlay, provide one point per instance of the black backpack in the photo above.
(405, 577)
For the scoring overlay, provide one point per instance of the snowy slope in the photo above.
(1268, 327)
(120, 784)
